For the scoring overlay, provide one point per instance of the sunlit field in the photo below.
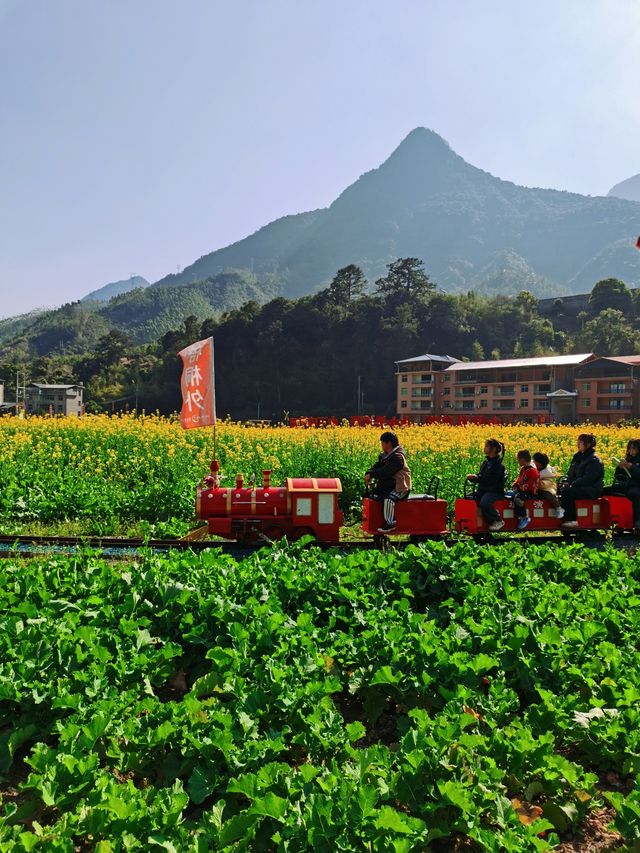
(100, 474)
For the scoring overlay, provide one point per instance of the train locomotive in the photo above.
(246, 513)
(308, 506)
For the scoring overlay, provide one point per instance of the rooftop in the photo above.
(429, 357)
(545, 361)
(625, 359)
(43, 387)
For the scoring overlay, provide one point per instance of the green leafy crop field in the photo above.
(439, 699)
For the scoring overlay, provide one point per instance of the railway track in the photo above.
(32, 546)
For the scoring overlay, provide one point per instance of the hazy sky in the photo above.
(137, 135)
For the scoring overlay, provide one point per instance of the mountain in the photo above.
(629, 189)
(507, 274)
(115, 288)
(426, 201)
(142, 314)
(13, 326)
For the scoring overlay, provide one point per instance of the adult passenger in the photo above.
(585, 479)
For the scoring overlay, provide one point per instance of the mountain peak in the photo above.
(629, 189)
(422, 142)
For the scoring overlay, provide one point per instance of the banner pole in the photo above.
(215, 466)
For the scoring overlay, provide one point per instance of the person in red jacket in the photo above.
(525, 487)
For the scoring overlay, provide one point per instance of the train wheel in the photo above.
(382, 542)
(273, 533)
(299, 532)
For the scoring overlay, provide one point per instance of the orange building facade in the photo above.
(551, 389)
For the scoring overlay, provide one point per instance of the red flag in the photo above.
(198, 386)
(638, 243)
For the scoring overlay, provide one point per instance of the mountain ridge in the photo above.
(426, 201)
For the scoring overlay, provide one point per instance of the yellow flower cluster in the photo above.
(130, 467)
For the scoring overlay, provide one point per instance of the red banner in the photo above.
(198, 386)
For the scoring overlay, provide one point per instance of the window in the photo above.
(403, 404)
(618, 404)
(447, 392)
(446, 404)
(543, 389)
(524, 389)
(585, 403)
(325, 509)
(446, 377)
(617, 388)
(404, 378)
(467, 404)
(586, 386)
(423, 377)
(483, 404)
(524, 404)
(303, 506)
(403, 391)
(484, 389)
(508, 377)
(540, 404)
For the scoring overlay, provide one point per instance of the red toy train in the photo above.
(248, 513)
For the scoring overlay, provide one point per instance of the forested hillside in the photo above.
(309, 356)
(142, 315)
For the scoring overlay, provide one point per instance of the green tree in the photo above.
(611, 293)
(405, 278)
(349, 283)
(609, 334)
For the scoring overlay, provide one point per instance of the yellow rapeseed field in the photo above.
(112, 469)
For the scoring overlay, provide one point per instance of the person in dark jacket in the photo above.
(490, 481)
(585, 478)
(626, 479)
(393, 479)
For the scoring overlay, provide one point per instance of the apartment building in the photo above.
(608, 389)
(418, 385)
(533, 390)
(54, 399)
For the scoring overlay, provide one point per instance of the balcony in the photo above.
(421, 405)
(466, 392)
(504, 391)
(505, 405)
(617, 388)
(422, 392)
(542, 389)
(614, 405)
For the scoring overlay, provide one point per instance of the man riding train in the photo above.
(393, 479)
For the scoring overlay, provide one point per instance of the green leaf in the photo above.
(367, 799)
(550, 635)
(270, 806)
(161, 841)
(237, 827)
(200, 785)
(355, 731)
(389, 818)
(385, 675)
